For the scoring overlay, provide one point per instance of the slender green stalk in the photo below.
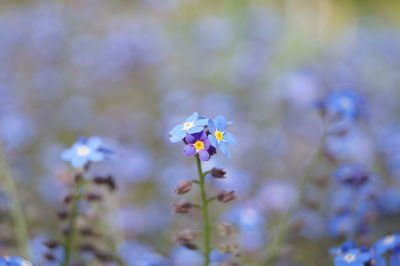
(20, 227)
(69, 244)
(204, 210)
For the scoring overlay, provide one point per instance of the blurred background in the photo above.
(129, 71)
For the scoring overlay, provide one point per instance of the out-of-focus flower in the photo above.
(353, 257)
(14, 261)
(219, 136)
(193, 124)
(387, 243)
(84, 151)
(198, 143)
(351, 174)
(343, 105)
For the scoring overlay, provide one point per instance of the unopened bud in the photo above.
(93, 197)
(230, 248)
(182, 206)
(184, 187)
(49, 257)
(226, 196)
(62, 215)
(218, 172)
(226, 229)
(51, 244)
(185, 238)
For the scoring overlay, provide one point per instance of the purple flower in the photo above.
(198, 143)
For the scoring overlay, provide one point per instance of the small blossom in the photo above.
(84, 151)
(218, 172)
(184, 187)
(388, 243)
(14, 261)
(226, 196)
(193, 124)
(198, 143)
(219, 137)
(353, 257)
(183, 206)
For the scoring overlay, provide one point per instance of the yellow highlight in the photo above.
(188, 125)
(219, 135)
(83, 151)
(199, 145)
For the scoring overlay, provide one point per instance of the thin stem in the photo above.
(204, 210)
(17, 215)
(72, 217)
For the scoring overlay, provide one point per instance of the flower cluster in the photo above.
(203, 136)
(387, 247)
(14, 261)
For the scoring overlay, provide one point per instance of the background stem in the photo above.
(17, 215)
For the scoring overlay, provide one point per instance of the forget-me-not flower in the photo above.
(198, 143)
(353, 257)
(219, 137)
(84, 151)
(193, 124)
(14, 261)
(387, 243)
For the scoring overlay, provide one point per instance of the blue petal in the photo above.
(220, 123)
(195, 129)
(78, 162)
(211, 126)
(177, 136)
(192, 117)
(201, 122)
(67, 155)
(176, 129)
(225, 149)
(94, 142)
(230, 139)
(213, 140)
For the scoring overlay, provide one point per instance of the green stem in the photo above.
(72, 217)
(204, 210)
(17, 215)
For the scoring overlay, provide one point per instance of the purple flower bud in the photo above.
(218, 172)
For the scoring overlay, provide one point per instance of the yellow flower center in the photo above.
(199, 145)
(83, 150)
(219, 135)
(350, 257)
(188, 125)
(388, 240)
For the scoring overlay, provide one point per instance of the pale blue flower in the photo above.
(84, 151)
(219, 137)
(193, 124)
(14, 261)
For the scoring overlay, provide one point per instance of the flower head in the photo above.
(219, 137)
(343, 105)
(387, 243)
(84, 151)
(353, 257)
(198, 143)
(192, 124)
(14, 261)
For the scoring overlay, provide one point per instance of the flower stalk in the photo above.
(205, 213)
(18, 218)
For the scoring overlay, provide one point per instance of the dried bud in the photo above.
(62, 215)
(182, 206)
(51, 244)
(87, 247)
(107, 181)
(93, 197)
(87, 232)
(218, 172)
(49, 257)
(229, 248)
(185, 238)
(226, 196)
(226, 229)
(184, 187)
(68, 199)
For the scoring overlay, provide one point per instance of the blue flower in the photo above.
(387, 243)
(193, 124)
(219, 137)
(84, 151)
(14, 261)
(343, 104)
(353, 257)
